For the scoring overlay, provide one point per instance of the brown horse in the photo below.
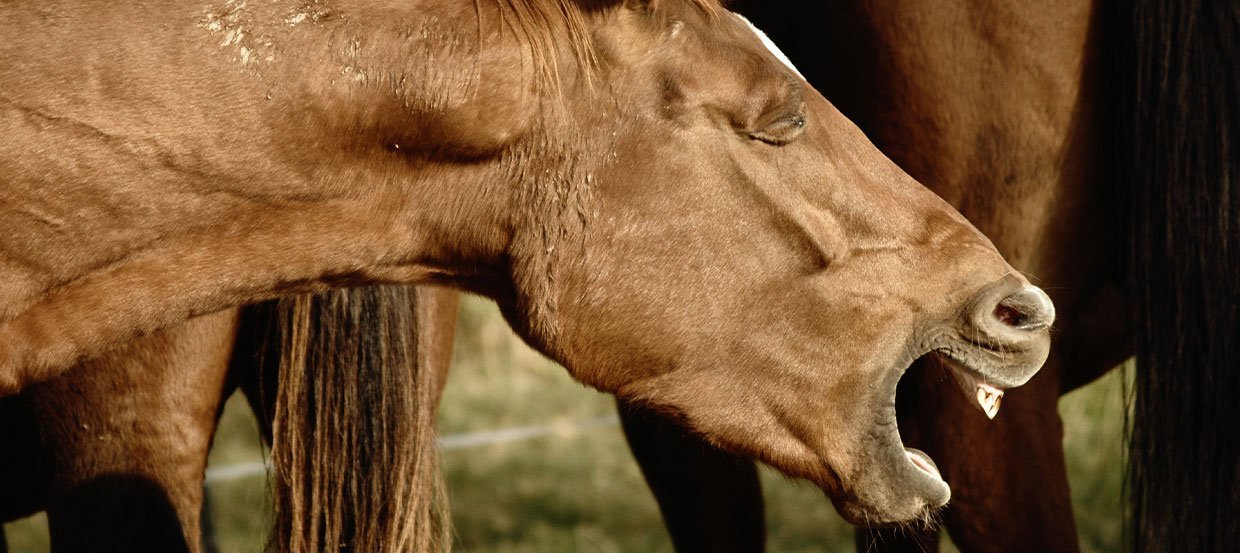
(1004, 109)
(654, 200)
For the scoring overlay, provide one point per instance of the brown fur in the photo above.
(347, 384)
(680, 221)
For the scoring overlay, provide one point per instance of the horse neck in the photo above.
(321, 174)
(223, 246)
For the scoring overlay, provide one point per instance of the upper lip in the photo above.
(1001, 365)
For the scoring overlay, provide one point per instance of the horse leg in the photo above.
(437, 309)
(128, 439)
(24, 466)
(1008, 477)
(711, 500)
(1024, 503)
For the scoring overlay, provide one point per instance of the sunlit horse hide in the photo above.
(653, 199)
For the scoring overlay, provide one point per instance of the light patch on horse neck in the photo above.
(312, 12)
(770, 45)
(677, 27)
(231, 23)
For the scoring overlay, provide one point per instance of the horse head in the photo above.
(727, 248)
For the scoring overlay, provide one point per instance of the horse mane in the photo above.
(1177, 164)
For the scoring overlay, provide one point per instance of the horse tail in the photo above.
(353, 438)
(1177, 123)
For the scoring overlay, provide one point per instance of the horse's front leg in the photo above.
(711, 500)
(127, 436)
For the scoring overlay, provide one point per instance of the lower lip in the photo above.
(922, 462)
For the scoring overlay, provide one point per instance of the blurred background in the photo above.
(575, 488)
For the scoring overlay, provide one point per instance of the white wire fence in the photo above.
(450, 442)
(468, 440)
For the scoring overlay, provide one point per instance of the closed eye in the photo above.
(782, 130)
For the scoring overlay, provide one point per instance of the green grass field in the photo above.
(581, 491)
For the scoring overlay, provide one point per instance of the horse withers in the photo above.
(654, 200)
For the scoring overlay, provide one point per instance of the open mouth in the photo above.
(991, 350)
(985, 396)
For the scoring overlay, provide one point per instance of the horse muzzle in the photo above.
(1001, 342)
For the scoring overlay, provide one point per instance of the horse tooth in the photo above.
(989, 397)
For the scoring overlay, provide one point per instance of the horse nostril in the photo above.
(1009, 315)
(1029, 309)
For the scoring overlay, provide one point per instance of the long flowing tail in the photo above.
(1177, 73)
(353, 439)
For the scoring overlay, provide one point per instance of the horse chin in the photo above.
(912, 489)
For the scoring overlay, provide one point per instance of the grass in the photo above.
(582, 491)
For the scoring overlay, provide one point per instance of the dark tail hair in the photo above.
(1177, 101)
(353, 437)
